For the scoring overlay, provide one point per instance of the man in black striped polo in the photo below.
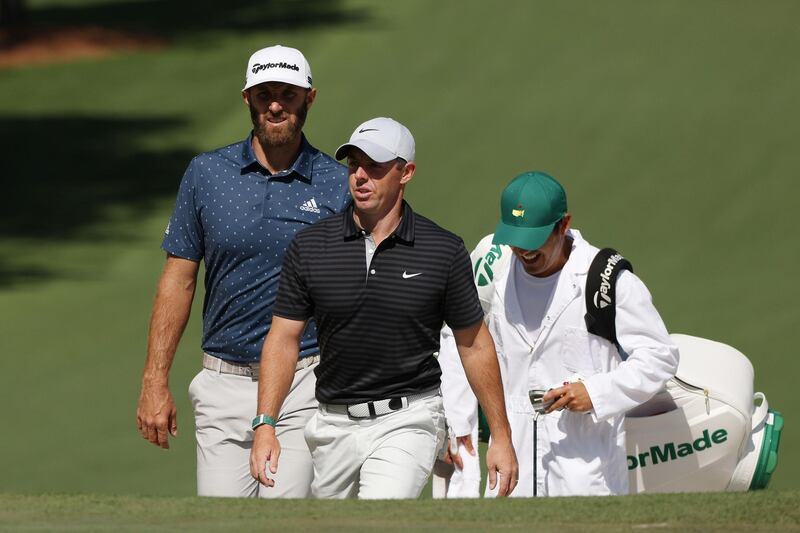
(379, 280)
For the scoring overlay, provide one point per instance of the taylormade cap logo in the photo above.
(280, 64)
(258, 67)
(601, 297)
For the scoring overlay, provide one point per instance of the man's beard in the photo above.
(283, 136)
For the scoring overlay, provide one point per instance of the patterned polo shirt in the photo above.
(379, 323)
(239, 219)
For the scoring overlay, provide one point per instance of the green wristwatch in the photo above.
(260, 420)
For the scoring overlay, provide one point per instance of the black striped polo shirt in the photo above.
(378, 328)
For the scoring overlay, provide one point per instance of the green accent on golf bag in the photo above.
(768, 458)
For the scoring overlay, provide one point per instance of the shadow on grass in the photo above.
(14, 275)
(176, 18)
(63, 176)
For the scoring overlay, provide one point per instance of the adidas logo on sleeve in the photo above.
(310, 206)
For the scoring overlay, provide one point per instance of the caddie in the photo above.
(536, 312)
(238, 208)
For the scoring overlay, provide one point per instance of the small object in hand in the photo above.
(452, 441)
(539, 405)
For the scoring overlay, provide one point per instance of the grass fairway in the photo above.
(764, 511)
(673, 126)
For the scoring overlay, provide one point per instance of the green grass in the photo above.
(763, 511)
(672, 125)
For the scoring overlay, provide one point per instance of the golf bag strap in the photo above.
(601, 304)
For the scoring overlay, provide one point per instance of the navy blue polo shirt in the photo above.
(239, 219)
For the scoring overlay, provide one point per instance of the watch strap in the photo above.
(262, 419)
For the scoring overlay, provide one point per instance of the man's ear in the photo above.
(310, 96)
(566, 222)
(408, 172)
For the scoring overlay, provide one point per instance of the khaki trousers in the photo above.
(224, 407)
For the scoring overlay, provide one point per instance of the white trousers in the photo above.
(575, 456)
(384, 457)
(224, 407)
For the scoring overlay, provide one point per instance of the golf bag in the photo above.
(707, 431)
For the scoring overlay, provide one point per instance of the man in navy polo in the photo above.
(238, 208)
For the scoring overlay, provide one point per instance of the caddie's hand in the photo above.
(156, 416)
(571, 396)
(452, 455)
(266, 451)
(501, 461)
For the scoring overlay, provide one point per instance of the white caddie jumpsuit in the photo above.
(577, 453)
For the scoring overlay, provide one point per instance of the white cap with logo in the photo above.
(278, 63)
(382, 139)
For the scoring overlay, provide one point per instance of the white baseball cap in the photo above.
(382, 139)
(278, 63)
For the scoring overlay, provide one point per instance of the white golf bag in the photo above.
(707, 431)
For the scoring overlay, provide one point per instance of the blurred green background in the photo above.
(671, 124)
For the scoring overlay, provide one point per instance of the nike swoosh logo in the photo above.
(406, 276)
(367, 129)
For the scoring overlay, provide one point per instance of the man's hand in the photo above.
(572, 396)
(502, 460)
(265, 448)
(156, 416)
(453, 457)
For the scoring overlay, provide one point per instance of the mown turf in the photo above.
(672, 124)
(764, 511)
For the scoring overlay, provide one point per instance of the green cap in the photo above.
(530, 207)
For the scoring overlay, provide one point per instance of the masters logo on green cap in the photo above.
(530, 207)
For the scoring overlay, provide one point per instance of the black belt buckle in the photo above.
(395, 404)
